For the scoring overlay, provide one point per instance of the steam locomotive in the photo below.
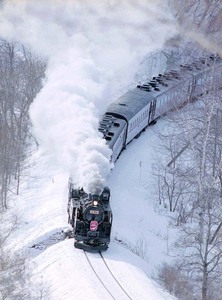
(130, 114)
(125, 119)
(90, 216)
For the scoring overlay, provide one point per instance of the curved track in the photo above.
(106, 277)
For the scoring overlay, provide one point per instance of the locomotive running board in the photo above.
(90, 248)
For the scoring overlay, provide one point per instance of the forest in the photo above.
(188, 188)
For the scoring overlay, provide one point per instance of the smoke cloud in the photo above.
(93, 49)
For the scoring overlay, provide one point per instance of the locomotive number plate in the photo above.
(94, 212)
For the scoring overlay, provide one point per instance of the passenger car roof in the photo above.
(129, 104)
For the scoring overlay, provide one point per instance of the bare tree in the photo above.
(190, 185)
(175, 281)
(200, 15)
(15, 278)
(203, 248)
(12, 265)
(140, 248)
(20, 80)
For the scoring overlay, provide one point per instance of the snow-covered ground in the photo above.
(65, 271)
(93, 49)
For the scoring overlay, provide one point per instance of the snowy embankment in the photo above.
(65, 270)
(70, 276)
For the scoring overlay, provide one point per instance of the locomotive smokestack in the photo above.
(95, 197)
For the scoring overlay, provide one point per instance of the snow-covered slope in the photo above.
(70, 275)
(66, 272)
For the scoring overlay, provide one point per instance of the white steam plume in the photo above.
(93, 50)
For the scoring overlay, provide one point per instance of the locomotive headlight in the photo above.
(95, 203)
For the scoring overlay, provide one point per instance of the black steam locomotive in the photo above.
(90, 216)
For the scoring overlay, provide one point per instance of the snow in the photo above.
(63, 269)
(86, 70)
(73, 277)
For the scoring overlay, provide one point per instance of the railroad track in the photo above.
(107, 279)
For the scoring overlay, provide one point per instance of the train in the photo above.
(90, 217)
(134, 111)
